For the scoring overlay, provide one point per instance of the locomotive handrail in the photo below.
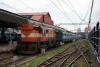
(46, 25)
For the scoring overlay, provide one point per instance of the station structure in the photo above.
(12, 20)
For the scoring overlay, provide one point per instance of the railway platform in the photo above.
(11, 46)
(7, 50)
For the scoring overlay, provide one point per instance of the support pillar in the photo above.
(2, 33)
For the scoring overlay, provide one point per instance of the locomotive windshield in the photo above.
(27, 16)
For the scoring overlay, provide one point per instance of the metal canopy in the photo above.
(11, 17)
(16, 19)
(45, 25)
(8, 25)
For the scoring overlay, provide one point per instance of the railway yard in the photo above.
(64, 58)
(32, 40)
(73, 54)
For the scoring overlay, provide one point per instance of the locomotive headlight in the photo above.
(25, 24)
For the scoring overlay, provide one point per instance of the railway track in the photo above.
(64, 59)
(8, 62)
(6, 54)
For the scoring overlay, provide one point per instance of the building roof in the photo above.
(11, 20)
(36, 16)
(35, 13)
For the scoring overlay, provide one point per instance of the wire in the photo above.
(62, 12)
(10, 7)
(72, 9)
(86, 14)
(87, 11)
(26, 5)
(62, 8)
(77, 13)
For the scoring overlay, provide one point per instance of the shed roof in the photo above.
(35, 13)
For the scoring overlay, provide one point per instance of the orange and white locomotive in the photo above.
(33, 37)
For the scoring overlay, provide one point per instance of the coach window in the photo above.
(35, 28)
(27, 16)
(46, 31)
(98, 36)
(94, 38)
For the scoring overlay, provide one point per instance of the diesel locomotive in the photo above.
(34, 37)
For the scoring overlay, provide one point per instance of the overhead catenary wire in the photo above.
(17, 9)
(77, 13)
(10, 7)
(86, 13)
(87, 10)
(56, 5)
(62, 12)
(62, 7)
(72, 9)
(26, 5)
(38, 23)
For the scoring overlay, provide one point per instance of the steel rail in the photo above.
(56, 57)
(82, 55)
(76, 59)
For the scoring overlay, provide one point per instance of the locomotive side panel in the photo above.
(30, 36)
(30, 33)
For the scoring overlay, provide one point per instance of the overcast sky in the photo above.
(81, 7)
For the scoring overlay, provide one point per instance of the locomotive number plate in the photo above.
(26, 35)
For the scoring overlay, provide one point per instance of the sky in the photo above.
(68, 15)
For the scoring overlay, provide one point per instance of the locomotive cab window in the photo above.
(27, 16)
(35, 28)
(46, 31)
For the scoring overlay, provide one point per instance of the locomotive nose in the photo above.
(32, 47)
(25, 47)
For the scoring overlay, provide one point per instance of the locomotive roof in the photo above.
(35, 13)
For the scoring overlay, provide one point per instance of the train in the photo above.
(9, 36)
(93, 35)
(36, 38)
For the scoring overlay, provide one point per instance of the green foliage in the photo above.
(46, 56)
